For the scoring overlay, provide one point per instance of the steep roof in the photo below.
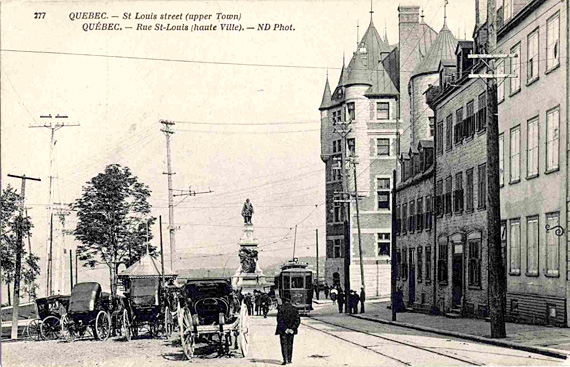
(382, 84)
(357, 70)
(326, 95)
(147, 267)
(443, 47)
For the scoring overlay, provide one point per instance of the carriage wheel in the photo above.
(102, 326)
(168, 323)
(126, 326)
(243, 337)
(187, 335)
(68, 331)
(50, 328)
(33, 330)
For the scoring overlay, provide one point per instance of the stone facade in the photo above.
(534, 195)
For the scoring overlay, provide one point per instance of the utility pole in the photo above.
(167, 130)
(70, 270)
(294, 242)
(317, 247)
(60, 122)
(393, 253)
(496, 271)
(62, 212)
(161, 248)
(20, 247)
(343, 129)
(354, 163)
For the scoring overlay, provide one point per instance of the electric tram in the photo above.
(295, 282)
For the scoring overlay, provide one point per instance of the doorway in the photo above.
(457, 274)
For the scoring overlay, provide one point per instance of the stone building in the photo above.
(368, 95)
(534, 160)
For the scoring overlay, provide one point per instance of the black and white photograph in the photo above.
(284, 182)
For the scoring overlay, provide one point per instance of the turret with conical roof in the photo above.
(326, 101)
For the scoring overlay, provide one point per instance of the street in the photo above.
(325, 339)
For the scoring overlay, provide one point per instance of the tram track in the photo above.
(426, 349)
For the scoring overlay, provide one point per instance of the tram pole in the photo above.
(393, 254)
(317, 259)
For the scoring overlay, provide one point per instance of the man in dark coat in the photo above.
(326, 289)
(350, 301)
(288, 321)
(355, 301)
(265, 302)
(340, 300)
(257, 301)
(362, 299)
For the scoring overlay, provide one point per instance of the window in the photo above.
(429, 211)
(351, 147)
(469, 123)
(501, 86)
(515, 154)
(507, 10)
(383, 110)
(449, 126)
(458, 194)
(515, 247)
(552, 136)
(405, 264)
(398, 220)
(383, 244)
(448, 189)
(420, 265)
(439, 138)
(458, 133)
(553, 42)
(337, 248)
(442, 261)
(428, 263)
(420, 214)
(412, 262)
(351, 109)
(552, 245)
(515, 69)
(297, 282)
(501, 159)
(439, 198)
(475, 262)
(336, 171)
(412, 217)
(482, 112)
(532, 148)
(532, 245)
(337, 146)
(532, 56)
(469, 189)
(337, 210)
(383, 192)
(404, 218)
(482, 186)
(399, 263)
(383, 147)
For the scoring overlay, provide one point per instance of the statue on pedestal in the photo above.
(248, 259)
(247, 211)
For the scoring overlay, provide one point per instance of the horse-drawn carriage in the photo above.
(149, 305)
(90, 309)
(209, 310)
(48, 323)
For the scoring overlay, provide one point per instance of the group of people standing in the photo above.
(260, 300)
(350, 299)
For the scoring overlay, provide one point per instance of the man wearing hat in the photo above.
(288, 321)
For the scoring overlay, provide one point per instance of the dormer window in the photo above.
(422, 160)
(383, 110)
(351, 109)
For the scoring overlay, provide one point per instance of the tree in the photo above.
(11, 221)
(113, 221)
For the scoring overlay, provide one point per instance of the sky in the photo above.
(245, 107)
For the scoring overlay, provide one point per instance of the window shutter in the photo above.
(372, 107)
(372, 147)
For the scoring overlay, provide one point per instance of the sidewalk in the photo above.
(518, 335)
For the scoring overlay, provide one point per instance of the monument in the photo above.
(248, 276)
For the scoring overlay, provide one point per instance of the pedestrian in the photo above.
(317, 290)
(362, 299)
(326, 290)
(334, 295)
(257, 303)
(350, 301)
(288, 321)
(249, 304)
(355, 301)
(341, 299)
(265, 302)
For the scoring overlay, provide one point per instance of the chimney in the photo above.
(409, 13)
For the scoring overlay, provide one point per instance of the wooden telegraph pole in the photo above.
(20, 247)
(496, 268)
(317, 259)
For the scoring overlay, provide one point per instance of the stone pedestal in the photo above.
(249, 276)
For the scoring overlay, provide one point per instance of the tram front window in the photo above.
(286, 282)
(297, 282)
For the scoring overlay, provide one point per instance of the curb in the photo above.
(480, 339)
